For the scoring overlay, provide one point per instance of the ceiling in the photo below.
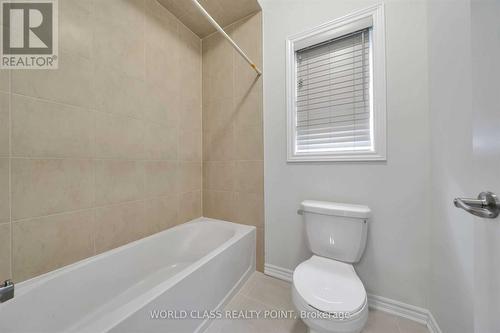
(224, 12)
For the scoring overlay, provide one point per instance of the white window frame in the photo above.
(370, 17)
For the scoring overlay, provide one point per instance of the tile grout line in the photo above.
(200, 55)
(11, 225)
(94, 108)
(108, 205)
(94, 130)
(144, 58)
(90, 158)
(177, 127)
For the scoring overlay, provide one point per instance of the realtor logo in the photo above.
(29, 34)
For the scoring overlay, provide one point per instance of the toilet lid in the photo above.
(329, 285)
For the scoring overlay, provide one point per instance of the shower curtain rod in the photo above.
(229, 39)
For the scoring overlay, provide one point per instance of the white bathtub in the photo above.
(194, 266)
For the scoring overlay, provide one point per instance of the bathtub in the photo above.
(140, 287)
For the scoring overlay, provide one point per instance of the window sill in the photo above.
(336, 158)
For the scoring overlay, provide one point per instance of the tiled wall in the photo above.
(233, 174)
(106, 149)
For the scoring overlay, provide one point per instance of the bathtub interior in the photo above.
(105, 282)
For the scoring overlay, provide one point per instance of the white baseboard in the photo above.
(432, 324)
(278, 272)
(411, 312)
(400, 309)
(397, 308)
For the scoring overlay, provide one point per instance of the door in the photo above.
(485, 167)
(485, 69)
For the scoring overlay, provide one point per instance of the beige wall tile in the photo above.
(161, 178)
(232, 129)
(116, 92)
(44, 244)
(250, 176)
(161, 27)
(71, 83)
(205, 86)
(119, 136)
(163, 53)
(190, 206)
(75, 27)
(4, 124)
(190, 44)
(4, 190)
(219, 56)
(248, 34)
(119, 224)
(249, 142)
(41, 187)
(218, 69)
(162, 67)
(163, 50)
(122, 13)
(190, 145)
(4, 80)
(246, 78)
(250, 209)
(189, 176)
(190, 80)
(161, 106)
(103, 133)
(219, 145)
(219, 176)
(207, 47)
(191, 65)
(120, 46)
(219, 205)
(161, 213)
(248, 103)
(5, 272)
(118, 181)
(220, 84)
(190, 117)
(45, 129)
(160, 142)
(218, 115)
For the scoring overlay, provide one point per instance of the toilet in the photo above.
(327, 292)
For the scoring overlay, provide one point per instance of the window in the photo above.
(336, 90)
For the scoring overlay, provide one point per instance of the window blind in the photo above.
(333, 103)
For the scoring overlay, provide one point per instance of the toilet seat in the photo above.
(330, 286)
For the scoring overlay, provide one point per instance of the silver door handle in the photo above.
(486, 205)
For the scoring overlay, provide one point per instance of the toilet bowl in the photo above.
(327, 292)
(329, 296)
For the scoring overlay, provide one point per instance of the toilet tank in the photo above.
(336, 230)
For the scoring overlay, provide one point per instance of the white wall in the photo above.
(396, 261)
